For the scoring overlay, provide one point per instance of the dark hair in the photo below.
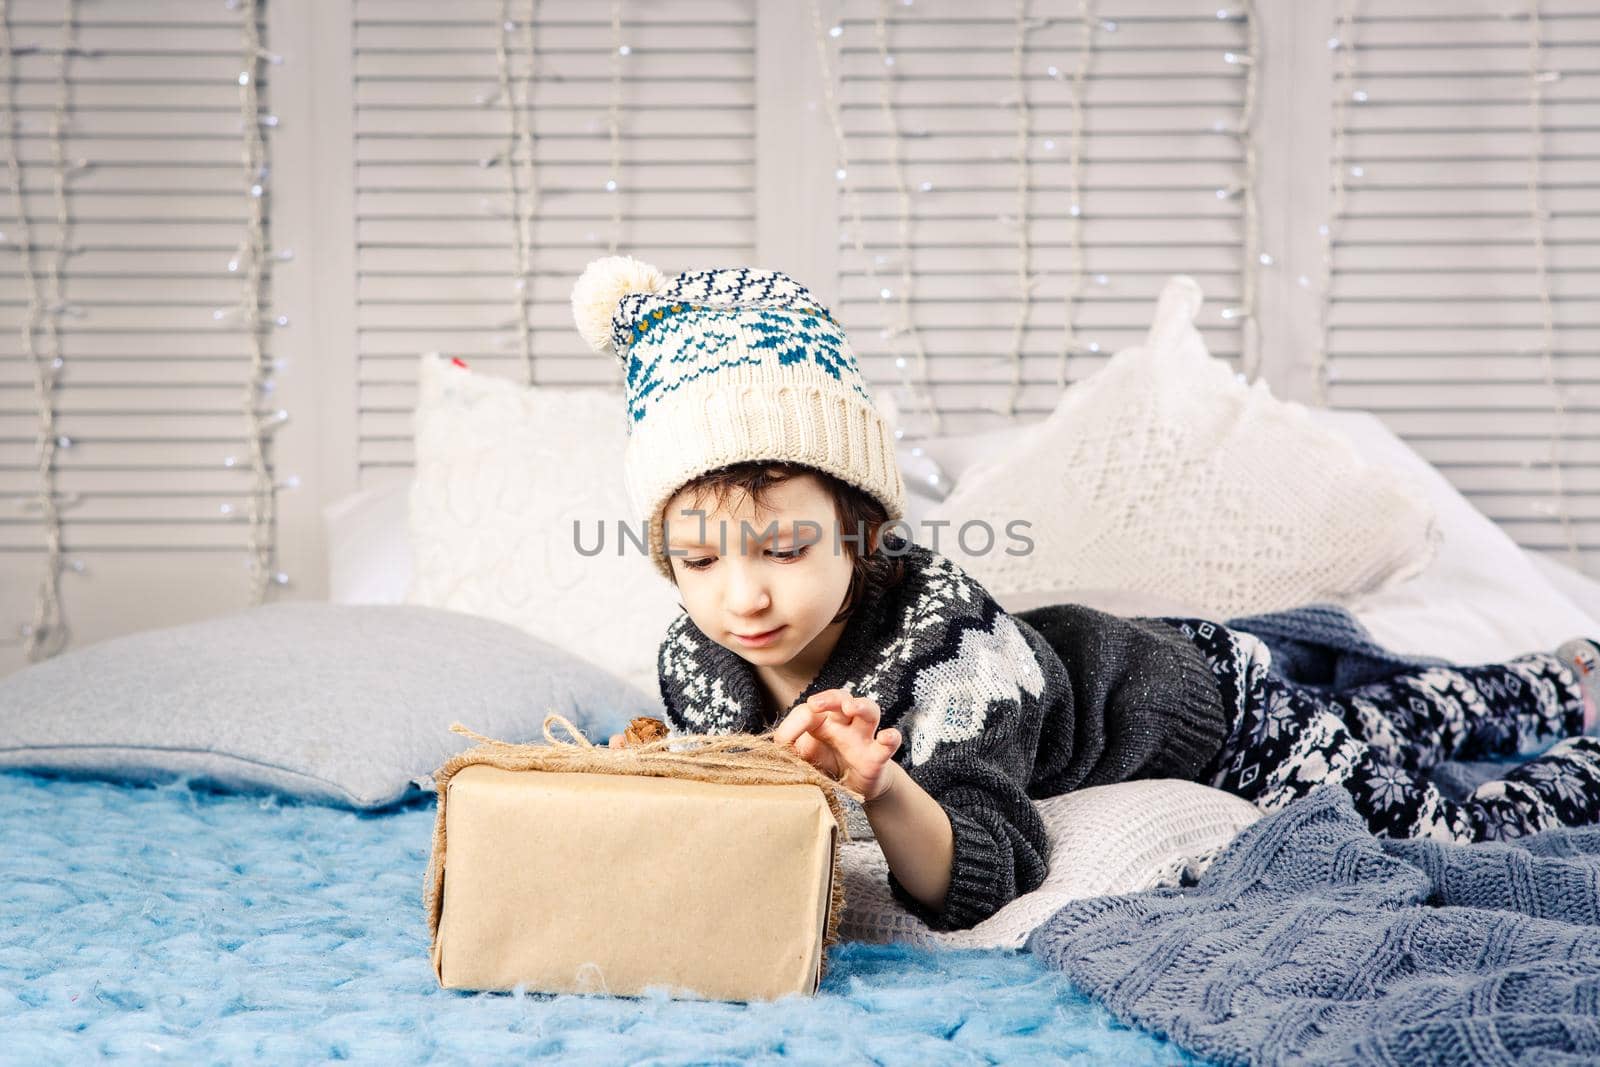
(856, 510)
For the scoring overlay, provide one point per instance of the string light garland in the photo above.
(48, 633)
(1344, 46)
(519, 154)
(1073, 293)
(1537, 215)
(1025, 283)
(890, 123)
(262, 510)
(1254, 258)
(614, 123)
(906, 326)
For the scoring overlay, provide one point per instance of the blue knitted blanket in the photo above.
(1325, 645)
(1311, 941)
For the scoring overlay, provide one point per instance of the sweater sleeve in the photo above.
(971, 739)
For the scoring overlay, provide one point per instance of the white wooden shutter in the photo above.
(434, 228)
(1435, 316)
(152, 388)
(1157, 87)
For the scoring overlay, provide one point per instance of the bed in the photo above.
(190, 918)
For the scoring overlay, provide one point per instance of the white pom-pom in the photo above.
(603, 283)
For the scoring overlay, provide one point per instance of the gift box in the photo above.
(574, 869)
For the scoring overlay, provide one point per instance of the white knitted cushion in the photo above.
(502, 471)
(1163, 472)
(1106, 839)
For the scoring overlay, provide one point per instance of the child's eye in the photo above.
(697, 564)
(795, 553)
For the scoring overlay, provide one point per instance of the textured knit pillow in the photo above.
(502, 473)
(1164, 473)
(340, 704)
(1105, 839)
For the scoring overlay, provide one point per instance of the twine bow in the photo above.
(725, 759)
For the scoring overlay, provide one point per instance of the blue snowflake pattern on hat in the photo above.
(685, 343)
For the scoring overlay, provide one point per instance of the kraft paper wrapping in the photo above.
(589, 883)
(638, 877)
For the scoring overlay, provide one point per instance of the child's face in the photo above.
(739, 573)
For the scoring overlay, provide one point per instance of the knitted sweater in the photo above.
(995, 711)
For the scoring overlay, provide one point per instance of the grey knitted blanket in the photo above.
(1309, 941)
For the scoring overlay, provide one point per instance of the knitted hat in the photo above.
(725, 366)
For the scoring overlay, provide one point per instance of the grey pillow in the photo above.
(338, 703)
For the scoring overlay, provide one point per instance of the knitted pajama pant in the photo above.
(1379, 741)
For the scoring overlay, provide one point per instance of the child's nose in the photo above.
(746, 593)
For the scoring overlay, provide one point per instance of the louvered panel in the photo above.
(435, 226)
(152, 384)
(1435, 312)
(1158, 98)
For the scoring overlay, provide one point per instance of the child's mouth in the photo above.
(759, 639)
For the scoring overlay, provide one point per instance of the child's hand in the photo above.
(838, 734)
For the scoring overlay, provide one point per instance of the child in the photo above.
(771, 492)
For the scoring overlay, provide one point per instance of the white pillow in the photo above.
(369, 558)
(502, 472)
(1484, 598)
(1164, 473)
(1117, 838)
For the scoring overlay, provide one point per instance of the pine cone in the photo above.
(643, 730)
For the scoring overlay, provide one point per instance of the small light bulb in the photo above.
(1094, 346)
(1357, 171)
(1266, 259)
(229, 461)
(1359, 96)
(611, 185)
(624, 50)
(282, 320)
(281, 578)
(1075, 210)
(226, 509)
(884, 294)
(1100, 279)
(926, 186)
(900, 361)
(839, 174)
(888, 61)
(835, 31)
(244, 77)
(63, 441)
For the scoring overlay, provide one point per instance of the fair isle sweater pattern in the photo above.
(973, 691)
